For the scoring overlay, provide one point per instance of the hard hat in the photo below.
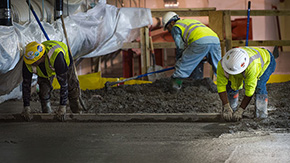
(235, 61)
(168, 17)
(33, 52)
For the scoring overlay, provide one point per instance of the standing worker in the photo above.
(46, 60)
(193, 41)
(248, 66)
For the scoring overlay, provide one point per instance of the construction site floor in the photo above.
(142, 142)
(124, 138)
(36, 142)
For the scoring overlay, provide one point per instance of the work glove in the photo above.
(227, 112)
(26, 113)
(61, 112)
(238, 114)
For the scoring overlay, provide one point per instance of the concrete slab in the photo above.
(138, 142)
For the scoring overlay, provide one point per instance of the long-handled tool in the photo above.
(248, 22)
(109, 84)
(74, 67)
(154, 67)
(37, 19)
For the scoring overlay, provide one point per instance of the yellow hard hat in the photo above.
(33, 52)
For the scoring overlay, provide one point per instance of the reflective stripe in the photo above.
(191, 30)
(51, 51)
(187, 33)
(181, 24)
(256, 56)
(49, 54)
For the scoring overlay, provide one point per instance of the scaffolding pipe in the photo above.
(5, 13)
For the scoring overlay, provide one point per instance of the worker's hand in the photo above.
(26, 113)
(227, 112)
(61, 112)
(238, 114)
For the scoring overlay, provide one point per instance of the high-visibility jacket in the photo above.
(193, 30)
(258, 63)
(52, 49)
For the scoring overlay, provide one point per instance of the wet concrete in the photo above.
(250, 140)
(196, 96)
(138, 142)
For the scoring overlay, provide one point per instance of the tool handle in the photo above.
(38, 21)
(248, 22)
(136, 77)
(152, 51)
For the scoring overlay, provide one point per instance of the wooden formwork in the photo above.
(219, 21)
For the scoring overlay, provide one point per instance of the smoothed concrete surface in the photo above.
(138, 142)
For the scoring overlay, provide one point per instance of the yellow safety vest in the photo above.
(193, 30)
(259, 60)
(52, 49)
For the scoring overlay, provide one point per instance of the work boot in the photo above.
(75, 105)
(45, 106)
(261, 105)
(233, 100)
(26, 113)
(176, 85)
(61, 112)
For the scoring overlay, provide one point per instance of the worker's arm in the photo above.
(222, 82)
(61, 69)
(246, 100)
(250, 84)
(176, 34)
(224, 97)
(26, 85)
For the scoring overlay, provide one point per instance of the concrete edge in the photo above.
(119, 117)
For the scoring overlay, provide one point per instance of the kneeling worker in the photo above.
(248, 66)
(48, 59)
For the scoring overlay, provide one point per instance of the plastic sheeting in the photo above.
(100, 31)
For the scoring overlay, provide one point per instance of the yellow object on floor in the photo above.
(279, 78)
(95, 81)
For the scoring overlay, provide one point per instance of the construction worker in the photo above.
(48, 59)
(194, 41)
(248, 66)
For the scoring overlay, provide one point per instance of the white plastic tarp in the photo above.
(99, 31)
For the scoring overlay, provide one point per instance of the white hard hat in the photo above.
(235, 61)
(168, 17)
